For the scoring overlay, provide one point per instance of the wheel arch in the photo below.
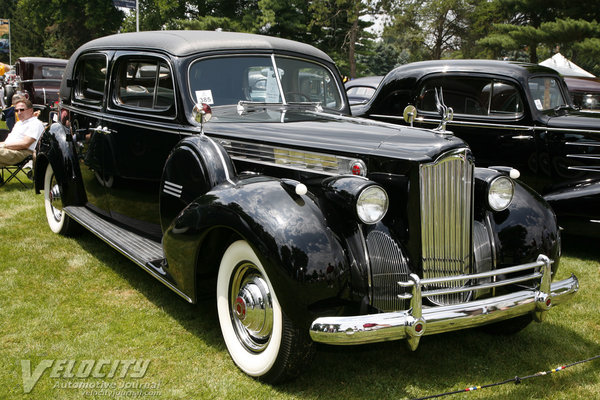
(305, 261)
(56, 148)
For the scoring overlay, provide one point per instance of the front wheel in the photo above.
(58, 221)
(261, 340)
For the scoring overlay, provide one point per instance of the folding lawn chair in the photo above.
(11, 172)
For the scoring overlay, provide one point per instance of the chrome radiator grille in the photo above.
(388, 267)
(446, 214)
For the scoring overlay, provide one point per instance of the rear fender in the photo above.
(304, 260)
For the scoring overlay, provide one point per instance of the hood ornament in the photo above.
(445, 112)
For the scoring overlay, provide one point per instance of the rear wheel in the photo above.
(58, 221)
(261, 340)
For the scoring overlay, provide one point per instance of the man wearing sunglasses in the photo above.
(21, 141)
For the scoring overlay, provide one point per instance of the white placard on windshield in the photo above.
(204, 96)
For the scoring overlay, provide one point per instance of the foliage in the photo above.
(56, 28)
(541, 26)
(526, 30)
(431, 28)
(78, 299)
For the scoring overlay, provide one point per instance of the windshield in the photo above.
(546, 93)
(228, 80)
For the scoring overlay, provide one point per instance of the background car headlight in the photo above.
(501, 193)
(372, 204)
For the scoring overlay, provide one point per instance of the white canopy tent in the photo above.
(559, 63)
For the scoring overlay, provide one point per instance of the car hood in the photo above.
(576, 120)
(338, 133)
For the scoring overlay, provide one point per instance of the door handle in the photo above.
(100, 129)
(523, 137)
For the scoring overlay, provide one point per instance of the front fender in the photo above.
(55, 148)
(303, 258)
(526, 229)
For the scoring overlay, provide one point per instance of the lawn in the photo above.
(78, 300)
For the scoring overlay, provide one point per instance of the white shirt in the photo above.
(31, 127)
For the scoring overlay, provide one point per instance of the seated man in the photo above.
(21, 141)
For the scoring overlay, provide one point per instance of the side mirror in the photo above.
(202, 113)
(409, 115)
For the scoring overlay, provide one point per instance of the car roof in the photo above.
(515, 69)
(372, 81)
(184, 43)
(589, 85)
(43, 60)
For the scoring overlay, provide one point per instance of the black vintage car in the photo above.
(227, 164)
(509, 113)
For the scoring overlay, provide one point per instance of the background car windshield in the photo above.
(546, 93)
(228, 80)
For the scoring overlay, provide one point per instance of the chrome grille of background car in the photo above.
(446, 216)
(388, 267)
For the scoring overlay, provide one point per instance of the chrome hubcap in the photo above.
(251, 307)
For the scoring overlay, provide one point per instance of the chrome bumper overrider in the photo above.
(418, 321)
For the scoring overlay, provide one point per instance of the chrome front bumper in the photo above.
(419, 321)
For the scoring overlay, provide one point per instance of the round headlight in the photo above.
(501, 193)
(372, 204)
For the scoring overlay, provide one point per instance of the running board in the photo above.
(145, 252)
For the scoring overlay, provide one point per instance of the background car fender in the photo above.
(56, 148)
(577, 205)
(288, 232)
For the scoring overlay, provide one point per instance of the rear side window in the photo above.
(145, 83)
(90, 77)
(473, 96)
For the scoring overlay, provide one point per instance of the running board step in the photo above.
(138, 248)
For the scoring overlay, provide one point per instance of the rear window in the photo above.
(473, 96)
(90, 77)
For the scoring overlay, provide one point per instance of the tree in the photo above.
(56, 28)
(429, 29)
(343, 28)
(531, 25)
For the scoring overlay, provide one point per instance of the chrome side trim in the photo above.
(290, 158)
(411, 324)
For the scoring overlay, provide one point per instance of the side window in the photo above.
(90, 76)
(472, 96)
(144, 83)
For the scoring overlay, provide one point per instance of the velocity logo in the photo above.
(99, 369)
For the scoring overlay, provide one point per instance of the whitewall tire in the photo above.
(58, 221)
(262, 342)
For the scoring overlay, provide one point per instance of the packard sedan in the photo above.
(509, 113)
(227, 164)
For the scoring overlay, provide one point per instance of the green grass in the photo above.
(78, 299)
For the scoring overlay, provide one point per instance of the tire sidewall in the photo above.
(253, 364)
(55, 226)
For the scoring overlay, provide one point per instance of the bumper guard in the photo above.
(418, 320)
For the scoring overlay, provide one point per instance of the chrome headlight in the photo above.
(372, 204)
(501, 193)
